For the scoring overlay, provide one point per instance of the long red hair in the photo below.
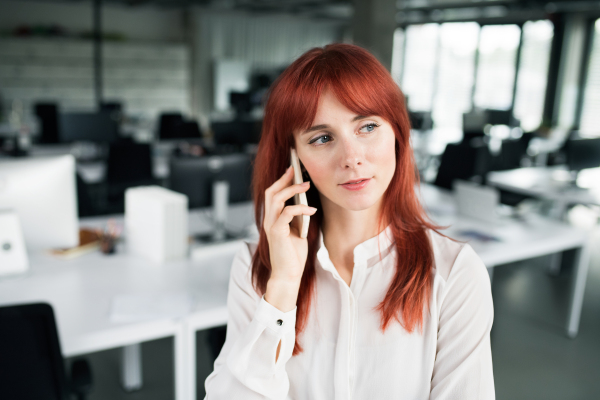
(365, 87)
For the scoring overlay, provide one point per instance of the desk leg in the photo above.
(190, 361)
(582, 263)
(555, 264)
(131, 367)
(185, 363)
(490, 271)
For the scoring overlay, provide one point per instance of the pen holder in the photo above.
(107, 244)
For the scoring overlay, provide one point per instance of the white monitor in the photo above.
(476, 201)
(42, 191)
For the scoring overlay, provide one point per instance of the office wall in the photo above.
(262, 41)
(146, 77)
(142, 23)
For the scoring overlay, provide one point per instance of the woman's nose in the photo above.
(352, 154)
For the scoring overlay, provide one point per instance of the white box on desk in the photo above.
(156, 220)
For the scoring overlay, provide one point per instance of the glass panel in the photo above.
(419, 65)
(458, 43)
(496, 70)
(590, 116)
(533, 73)
(397, 55)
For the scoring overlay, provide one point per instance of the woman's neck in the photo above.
(344, 229)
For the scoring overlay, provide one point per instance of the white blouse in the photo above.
(345, 354)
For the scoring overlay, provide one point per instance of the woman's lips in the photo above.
(356, 186)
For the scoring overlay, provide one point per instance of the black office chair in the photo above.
(31, 362)
(129, 165)
(511, 154)
(462, 161)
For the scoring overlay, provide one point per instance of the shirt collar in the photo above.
(364, 251)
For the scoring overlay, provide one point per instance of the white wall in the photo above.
(261, 41)
(145, 23)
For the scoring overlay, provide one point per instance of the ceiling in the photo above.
(343, 9)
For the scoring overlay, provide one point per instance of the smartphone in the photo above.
(302, 221)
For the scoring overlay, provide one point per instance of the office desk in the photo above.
(81, 290)
(533, 236)
(551, 183)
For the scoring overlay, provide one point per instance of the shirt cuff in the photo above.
(278, 321)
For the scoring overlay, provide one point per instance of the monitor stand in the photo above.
(220, 201)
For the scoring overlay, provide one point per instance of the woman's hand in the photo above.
(287, 250)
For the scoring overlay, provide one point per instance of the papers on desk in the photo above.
(136, 307)
(476, 235)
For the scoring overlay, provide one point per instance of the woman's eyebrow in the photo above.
(325, 126)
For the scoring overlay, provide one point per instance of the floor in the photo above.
(533, 359)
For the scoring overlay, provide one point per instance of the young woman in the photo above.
(374, 304)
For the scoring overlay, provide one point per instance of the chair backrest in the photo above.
(129, 162)
(462, 161)
(30, 358)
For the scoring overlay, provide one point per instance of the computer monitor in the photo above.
(99, 127)
(172, 126)
(499, 117)
(237, 133)
(420, 120)
(42, 192)
(582, 153)
(194, 177)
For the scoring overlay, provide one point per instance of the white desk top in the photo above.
(551, 183)
(81, 290)
(518, 239)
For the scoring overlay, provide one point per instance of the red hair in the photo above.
(365, 87)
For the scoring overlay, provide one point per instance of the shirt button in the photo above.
(279, 322)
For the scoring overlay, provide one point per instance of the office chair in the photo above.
(31, 360)
(129, 165)
(48, 117)
(462, 161)
(85, 205)
(511, 154)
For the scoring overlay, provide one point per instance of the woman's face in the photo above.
(342, 147)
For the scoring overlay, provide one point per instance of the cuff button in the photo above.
(279, 322)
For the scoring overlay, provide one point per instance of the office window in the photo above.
(420, 60)
(454, 86)
(498, 47)
(397, 55)
(590, 116)
(533, 73)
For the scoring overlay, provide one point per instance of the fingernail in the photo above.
(313, 209)
(305, 183)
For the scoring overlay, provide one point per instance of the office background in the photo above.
(156, 92)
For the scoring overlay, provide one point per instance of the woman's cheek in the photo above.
(319, 173)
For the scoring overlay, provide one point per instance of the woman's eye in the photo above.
(321, 139)
(369, 127)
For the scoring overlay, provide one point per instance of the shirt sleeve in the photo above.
(463, 364)
(246, 367)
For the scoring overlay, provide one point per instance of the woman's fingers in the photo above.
(280, 183)
(275, 199)
(278, 201)
(282, 224)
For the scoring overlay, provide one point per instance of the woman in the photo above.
(374, 304)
